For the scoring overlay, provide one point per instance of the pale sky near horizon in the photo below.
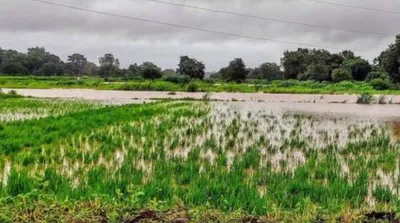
(62, 31)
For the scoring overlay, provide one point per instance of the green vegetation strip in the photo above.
(283, 86)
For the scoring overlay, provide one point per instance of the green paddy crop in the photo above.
(220, 162)
(18, 108)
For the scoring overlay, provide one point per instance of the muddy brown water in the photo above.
(310, 103)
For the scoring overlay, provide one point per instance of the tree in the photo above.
(108, 65)
(267, 71)
(218, 75)
(341, 74)
(312, 64)
(134, 69)
(294, 63)
(13, 67)
(78, 62)
(37, 56)
(13, 62)
(150, 71)
(41, 62)
(358, 67)
(347, 54)
(317, 72)
(236, 71)
(1, 55)
(91, 69)
(169, 72)
(191, 67)
(378, 75)
(124, 73)
(389, 60)
(50, 69)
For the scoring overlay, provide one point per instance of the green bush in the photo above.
(192, 87)
(70, 83)
(379, 84)
(12, 92)
(378, 75)
(345, 85)
(288, 83)
(134, 78)
(150, 86)
(341, 74)
(318, 85)
(177, 79)
(209, 81)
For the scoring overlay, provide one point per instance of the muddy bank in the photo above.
(225, 96)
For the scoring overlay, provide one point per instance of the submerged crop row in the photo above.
(15, 109)
(202, 156)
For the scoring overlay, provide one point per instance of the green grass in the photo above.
(220, 162)
(287, 86)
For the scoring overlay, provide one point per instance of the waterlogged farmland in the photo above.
(12, 109)
(197, 161)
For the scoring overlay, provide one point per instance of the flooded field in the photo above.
(317, 104)
(220, 161)
(148, 95)
(29, 108)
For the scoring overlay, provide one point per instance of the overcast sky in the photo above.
(63, 31)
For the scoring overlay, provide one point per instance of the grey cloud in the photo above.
(24, 23)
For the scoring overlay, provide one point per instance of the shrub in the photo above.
(303, 77)
(344, 85)
(318, 85)
(382, 100)
(377, 75)
(177, 79)
(133, 78)
(379, 84)
(341, 74)
(12, 92)
(206, 97)
(192, 87)
(365, 98)
(209, 81)
(288, 83)
(396, 86)
(70, 83)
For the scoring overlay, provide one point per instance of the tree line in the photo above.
(300, 64)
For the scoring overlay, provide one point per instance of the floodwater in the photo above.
(373, 112)
(309, 103)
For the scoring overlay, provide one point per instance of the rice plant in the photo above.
(221, 161)
(15, 109)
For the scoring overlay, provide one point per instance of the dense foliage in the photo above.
(301, 64)
(191, 67)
